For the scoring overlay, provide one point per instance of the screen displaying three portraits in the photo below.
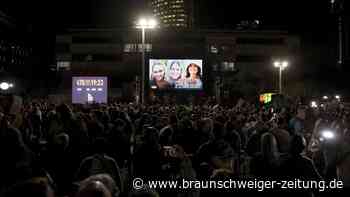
(176, 74)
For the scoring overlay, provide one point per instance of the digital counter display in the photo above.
(89, 90)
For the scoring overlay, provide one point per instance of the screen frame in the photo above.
(75, 98)
(168, 61)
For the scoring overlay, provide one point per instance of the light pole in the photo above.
(281, 65)
(144, 24)
(337, 7)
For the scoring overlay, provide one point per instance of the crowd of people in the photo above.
(97, 150)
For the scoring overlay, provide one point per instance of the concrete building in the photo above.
(240, 61)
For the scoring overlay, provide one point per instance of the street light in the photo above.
(314, 104)
(144, 23)
(5, 85)
(281, 65)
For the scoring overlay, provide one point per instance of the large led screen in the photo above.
(175, 74)
(89, 90)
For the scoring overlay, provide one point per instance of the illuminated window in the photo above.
(148, 47)
(227, 66)
(63, 65)
(213, 49)
(129, 48)
(231, 66)
(215, 67)
(224, 65)
(132, 48)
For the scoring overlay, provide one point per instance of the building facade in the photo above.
(173, 13)
(16, 54)
(233, 61)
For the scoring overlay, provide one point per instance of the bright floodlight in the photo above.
(143, 22)
(313, 104)
(279, 64)
(337, 96)
(325, 97)
(276, 64)
(4, 86)
(284, 64)
(152, 23)
(146, 23)
(327, 134)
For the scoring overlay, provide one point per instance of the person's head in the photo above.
(38, 187)
(106, 179)
(61, 140)
(158, 71)
(269, 148)
(64, 110)
(193, 71)
(173, 120)
(218, 130)
(93, 189)
(151, 136)
(301, 112)
(234, 139)
(143, 192)
(297, 145)
(207, 126)
(165, 136)
(175, 70)
(119, 125)
(221, 155)
(11, 139)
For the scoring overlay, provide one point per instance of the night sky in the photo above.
(293, 15)
(311, 19)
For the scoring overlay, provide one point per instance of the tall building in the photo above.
(16, 54)
(26, 50)
(174, 13)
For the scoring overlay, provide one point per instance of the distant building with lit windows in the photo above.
(173, 13)
(17, 62)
